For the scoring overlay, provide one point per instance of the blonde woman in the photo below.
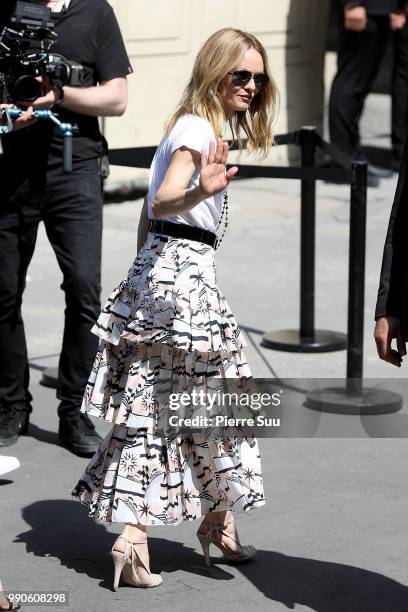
(168, 327)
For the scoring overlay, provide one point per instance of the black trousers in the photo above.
(70, 205)
(359, 57)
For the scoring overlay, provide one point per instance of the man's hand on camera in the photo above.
(355, 18)
(24, 121)
(49, 99)
(46, 101)
(386, 329)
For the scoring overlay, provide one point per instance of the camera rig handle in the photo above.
(67, 129)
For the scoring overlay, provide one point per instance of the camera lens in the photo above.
(27, 89)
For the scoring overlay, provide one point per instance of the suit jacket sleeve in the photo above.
(393, 287)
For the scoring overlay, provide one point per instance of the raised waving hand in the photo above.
(214, 177)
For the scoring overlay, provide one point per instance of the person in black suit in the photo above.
(367, 27)
(391, 311)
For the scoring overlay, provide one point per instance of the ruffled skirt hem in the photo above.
(139, 478)
(131, 384)
(76, 493)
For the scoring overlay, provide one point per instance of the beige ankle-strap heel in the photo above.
(125, 564)
(214, 536)
(5, 602)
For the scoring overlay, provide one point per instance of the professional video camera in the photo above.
(25, 44)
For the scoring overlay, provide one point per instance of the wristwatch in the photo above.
(59, 90)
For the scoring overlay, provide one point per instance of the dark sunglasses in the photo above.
(242, 77)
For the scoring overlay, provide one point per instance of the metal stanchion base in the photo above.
(50, 378)
(340, 401)
(290, 340)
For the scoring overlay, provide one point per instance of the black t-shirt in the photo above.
(88, 33)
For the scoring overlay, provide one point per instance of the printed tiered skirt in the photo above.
(167, 328)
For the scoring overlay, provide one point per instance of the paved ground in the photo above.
(332, 536)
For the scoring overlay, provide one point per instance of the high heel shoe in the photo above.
(125, 565)
(5, 602)
(214, 536)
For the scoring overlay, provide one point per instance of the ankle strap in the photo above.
(127, 541)
(219, 526)
(219, 529)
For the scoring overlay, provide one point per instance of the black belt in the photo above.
(181, 230)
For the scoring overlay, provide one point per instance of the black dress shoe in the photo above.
(13, 423)
(79, 436)
(373, 180)
(379, 172)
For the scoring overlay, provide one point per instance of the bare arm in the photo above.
(109, 99)
(174, 197)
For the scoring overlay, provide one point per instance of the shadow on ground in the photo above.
(43, 435)
(62, 529)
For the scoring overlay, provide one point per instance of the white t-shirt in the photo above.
(195, 133)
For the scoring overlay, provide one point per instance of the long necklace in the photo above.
(224, 211)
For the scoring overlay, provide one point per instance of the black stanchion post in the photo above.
(353, 397)
(307, 237)
(357, 247)
(307, 339)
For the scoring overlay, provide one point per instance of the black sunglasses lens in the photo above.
(241, 77)
(261, 80)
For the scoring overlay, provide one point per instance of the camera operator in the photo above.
(35, 188)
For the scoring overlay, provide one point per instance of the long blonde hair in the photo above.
(220, 54)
